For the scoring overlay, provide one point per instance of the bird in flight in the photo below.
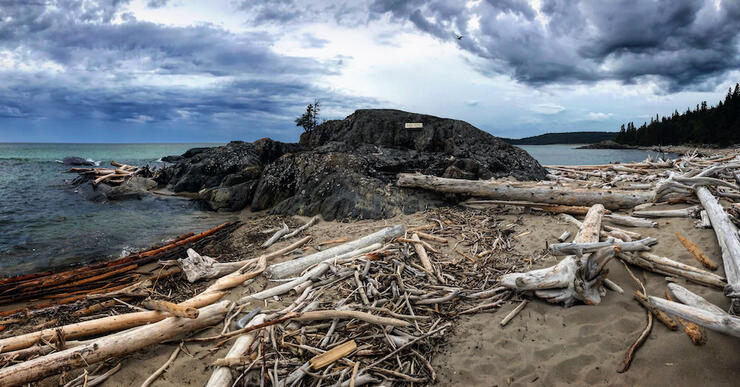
(459, 37)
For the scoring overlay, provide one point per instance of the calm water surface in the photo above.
(567, 154)
(47, 223)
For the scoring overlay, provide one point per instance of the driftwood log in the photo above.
(611, 199)
(110, 346)
(575, 278)
(222, 376)
(727, 236)
(286, 269)
(696, 309)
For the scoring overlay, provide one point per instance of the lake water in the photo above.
(46, 223)
(567, 154)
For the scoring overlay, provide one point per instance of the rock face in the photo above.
(347, 168)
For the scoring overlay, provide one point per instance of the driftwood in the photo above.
(110, 346)
(173, 309)
(564, 236)
(197, 267)
(297, 231)
(222, 376)
(274, 238)
(688, 212)
(285, 269)
(698, 310)
(574, 278)
(421, 252)
(332, 355)
(573, 248)
(611, 199)
(100, 326)
(729, 242)
(696, 252)
(630, 221)
(662, 265)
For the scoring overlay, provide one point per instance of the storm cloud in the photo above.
(681, 43)
(78, 59)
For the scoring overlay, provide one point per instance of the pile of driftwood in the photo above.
(690, 183)
(371, 310)
(110, 176)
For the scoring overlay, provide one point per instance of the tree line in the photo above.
(718, 125)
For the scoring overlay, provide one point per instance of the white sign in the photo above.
(414, 125)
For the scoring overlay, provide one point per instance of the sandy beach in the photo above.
(545, 344)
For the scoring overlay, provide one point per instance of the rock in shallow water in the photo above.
(73, 160)
(347, 168)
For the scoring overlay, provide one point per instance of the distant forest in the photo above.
(563, 138)
(719, 125)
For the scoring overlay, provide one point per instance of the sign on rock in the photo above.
(414, 125)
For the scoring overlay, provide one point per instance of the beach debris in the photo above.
(696, 252)
(279, 233)
(551, 194)
(694, 331)
(110, 346)
(564, 236)
(629, 355)
(111, 176)
(297, 231)
(566, 282)
(696, 309)
(514, 312)
(148, 382)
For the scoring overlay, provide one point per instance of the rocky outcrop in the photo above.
(347, 168)
(74, 160)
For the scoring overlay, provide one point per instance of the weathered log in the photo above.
(696, 252)
(102, 325)
(110, 346)
(688, 212)
(573, 248)
(332, 355)
(611, 199)
(729, 242)
(222, 376)
(665, 266)
(285, 269)
(630, 221)
(720, 322)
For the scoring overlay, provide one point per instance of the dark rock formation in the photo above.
(73, 160)
(347, 168)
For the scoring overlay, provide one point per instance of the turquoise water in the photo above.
(46, 223)
(567, 154)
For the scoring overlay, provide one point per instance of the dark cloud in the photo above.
(86, 60)
(680, 43)
(156, 3)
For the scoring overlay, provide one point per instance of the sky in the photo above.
(221, 70)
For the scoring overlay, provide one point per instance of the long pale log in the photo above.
(110, 346)
(676, 269)
(102, 325)
(624, 220)
(611, 199)
(680, 213)
(707, 318)
(572, 248)
(279, 233)
(729, 242)
(422, 253)
(286, 269)
(222, 376)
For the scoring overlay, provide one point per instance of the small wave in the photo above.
(159, 160)
(59, 161)
(97, 163)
